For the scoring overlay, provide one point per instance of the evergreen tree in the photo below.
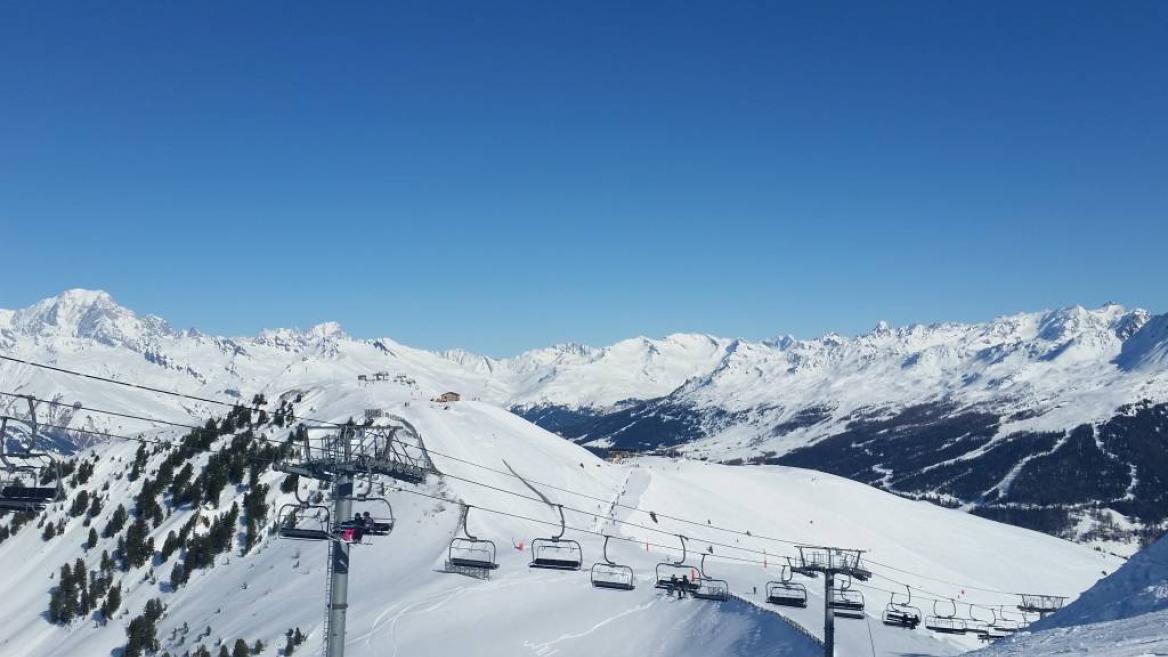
(258, 647)
(91, 542)
(50, 531)
(139, 463)
(113, 600)
(223, 650)
(240, 649)
(80, 503)
(141, 637)
(94, 506)
(138, 549)
(116, 522)
(63, 599)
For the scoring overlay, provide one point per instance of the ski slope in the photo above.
(402, 604)
(1123, 615)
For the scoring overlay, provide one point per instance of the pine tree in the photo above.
(223, 650)
(80, 503)
(289, 643)
(258, 647)
(116, 522)
(113, 600)
(178, 576)
(240, 649)
(49, 532)
(91, 542)
(63, 600)
(94, 506)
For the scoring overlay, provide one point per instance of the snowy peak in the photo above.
(1147, 348)
(88, 314)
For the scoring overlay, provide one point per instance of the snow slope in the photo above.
(1123, 615)
(400, 604)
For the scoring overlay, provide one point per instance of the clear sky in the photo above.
(505, 175)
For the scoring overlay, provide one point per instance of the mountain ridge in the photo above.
(964, 414)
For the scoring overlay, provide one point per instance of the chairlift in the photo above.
(945, 623)
(1003, 623)
(671, 574)
(468, 552)
(978, 626)
(379, 525)
(556, 552)
(304, 522)
(785, 592)
(1041, 604)
(710, 588)
(608, 574)
(845, 601)
(16, 465)
(902, 614)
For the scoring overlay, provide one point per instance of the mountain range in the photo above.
(1055, 420)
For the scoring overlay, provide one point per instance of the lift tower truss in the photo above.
(338, 456)
(830, 561)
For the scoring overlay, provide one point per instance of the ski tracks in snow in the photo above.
(546, 648)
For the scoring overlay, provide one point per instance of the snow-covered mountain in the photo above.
(399, 600)
(1055, 420)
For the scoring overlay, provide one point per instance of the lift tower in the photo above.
(338, 456)
(830, 561)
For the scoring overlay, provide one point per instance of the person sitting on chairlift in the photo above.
(358, 528)
(684, 588)
(367, 522)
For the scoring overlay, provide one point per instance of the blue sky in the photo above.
(505, 175)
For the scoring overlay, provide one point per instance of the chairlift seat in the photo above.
(846, 603)
(786, 594)
(612, 576)
(712, 589)
(29, 493)
(895, 617)
(945, 625)
(556, 554)
(299, 533)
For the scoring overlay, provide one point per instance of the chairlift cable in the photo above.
(440, 454)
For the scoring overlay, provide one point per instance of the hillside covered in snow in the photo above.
(1124, 615)
(194, 552)
(1054, 420)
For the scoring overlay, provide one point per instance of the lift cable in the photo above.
(457, 459)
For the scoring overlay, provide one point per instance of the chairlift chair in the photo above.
(468, 552)
(608, 574)
(1004, 624)
(381, 525)
(556, 552)
(16, 465)
(1041, 604)
(785, 592)
(978, 626)
(710, 588)
(304, 522)
(945, 623)
(670, 572)
(901, 614)
(846, 602)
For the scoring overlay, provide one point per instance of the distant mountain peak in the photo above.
(89, 314)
